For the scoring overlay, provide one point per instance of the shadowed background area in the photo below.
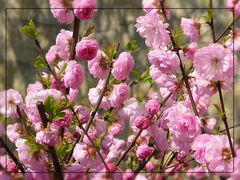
(111, 26)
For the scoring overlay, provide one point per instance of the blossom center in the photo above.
(226, 154)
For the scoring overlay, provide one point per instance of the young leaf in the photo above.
(59, 116)
(131, 46)
(90, 30)
(39, 63)
(30, 30)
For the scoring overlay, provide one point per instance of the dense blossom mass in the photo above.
(112, 132)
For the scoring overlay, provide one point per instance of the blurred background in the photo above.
(111, 26)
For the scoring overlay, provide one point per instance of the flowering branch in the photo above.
(10, 153)
(143, 164)
(185, 77)
(224, 118)
(51, 150)
(218, 84)
(130, 147)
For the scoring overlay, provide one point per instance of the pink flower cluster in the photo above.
(61, 10)
(123, 132)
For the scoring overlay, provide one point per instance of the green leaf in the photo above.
(208, 18)
(90, 30)
(97, 142)
(63, 149)
(59, 116)
(217, 108)
(30, 30)
(177, 36)
(40, 63)
(136, 74)
(131, 46)
(49, 106)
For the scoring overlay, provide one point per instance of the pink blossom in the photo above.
(116, 128)
(191, 29)
(83, 113)
(143, 151)
(209, 124)
(218, 154)
(164, 80)
(233, 5)
(87, 49)
(150, 167)
(74, 75)
(70, 172)
(236, 174)
(122, 66)
(152, 28)
(117, 147)
(213, 62)
(183, 123)
(128, 109)
(165, 61)
(84, 9)
(5, 176)
(152, 107)
(9, 100)
(73, 93)
(86, 155)
(22, 149)
(119, 94)
(197, 172)
(65, 121)
(199, 145)
(47, 137)
(32, 98)
(63, 44)
(94, 94)
(97, 66)
(159, 137)
(190, 50)
(141, 122)
(14, 131)
(33, 88)
(51, 55)
(106, 143)
(59, 12)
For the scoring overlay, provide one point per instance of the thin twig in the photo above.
(129, 148)
(58, 170)
(143, 164)
(10, 153)
(224, 118)
(211, 23)
(21, 119)
(227, 29)
(185, 77)
(76, 26)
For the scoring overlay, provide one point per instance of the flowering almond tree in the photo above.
(53, 135)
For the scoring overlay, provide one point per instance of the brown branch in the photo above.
(76, 26)
(129, 148)
(13, 157)
(211, 23)
(21, 119)
(227, 29)
(218, 84)
(58, 170)
(224, 118)
(143, 164)
(185, 77)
